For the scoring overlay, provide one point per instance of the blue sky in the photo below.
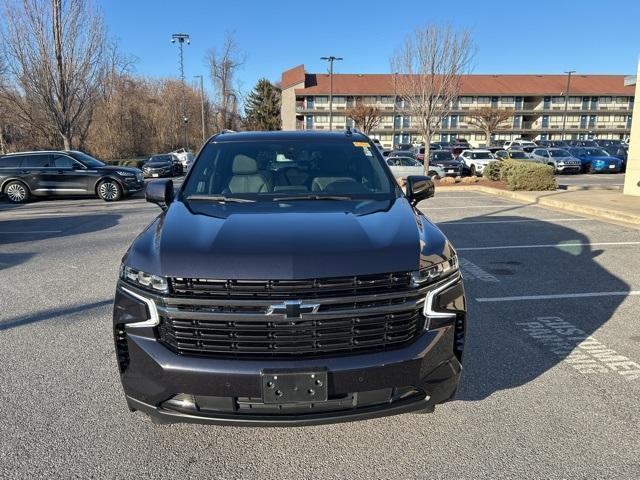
(511, 36)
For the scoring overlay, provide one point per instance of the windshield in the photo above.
(87, 160)
(160, 159)
(266, 170)
(559, 153)
(481, 155)
(441, 156)
(596, 152)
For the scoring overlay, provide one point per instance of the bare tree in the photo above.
(430, 65)
(55, 60)
(365, 117)
(489, 119)
(223, 67)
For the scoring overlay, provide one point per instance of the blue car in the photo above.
(596, 160)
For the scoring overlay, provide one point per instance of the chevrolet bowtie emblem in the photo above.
(292, 308)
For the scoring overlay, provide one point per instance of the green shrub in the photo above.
(492, 171)
(507, 167)
(529, 176)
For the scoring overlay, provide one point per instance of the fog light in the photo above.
(182, 401)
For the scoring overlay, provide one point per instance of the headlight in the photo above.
(124, 174)
(435, 272)
(146, 280)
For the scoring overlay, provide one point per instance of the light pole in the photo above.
(183, 38)
(204, 133)
(330, 59)
(395, 101)
(566, 102)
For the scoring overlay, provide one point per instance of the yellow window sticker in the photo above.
(360, 144)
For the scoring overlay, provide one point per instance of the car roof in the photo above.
(286, 135)
(481, 150)
(32, 152)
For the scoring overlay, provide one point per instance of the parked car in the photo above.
(475, 160)
(159, 166)
(584, 143)
(517, 154)
(402, 167)
(185, 156)
(526, 145)
(406, 147)
(596, 160)
(609, 142)
(350, 305)
(618, 151)
(444, 159)
(402, 153)
(560, 159)
(63, 173)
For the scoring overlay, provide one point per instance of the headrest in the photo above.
(243, 165)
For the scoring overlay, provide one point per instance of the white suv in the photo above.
(519, 143)
(475, 160)
(185, 157)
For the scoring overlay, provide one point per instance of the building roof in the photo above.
(383, 84)
(293, 76)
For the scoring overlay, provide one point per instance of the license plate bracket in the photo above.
(294, 386)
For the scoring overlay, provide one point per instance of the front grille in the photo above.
(339, 316)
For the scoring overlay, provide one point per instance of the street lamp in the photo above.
(330, 59)
(204, 133)
(566, 102)
(182, 38)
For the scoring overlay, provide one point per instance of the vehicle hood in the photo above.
(163, 164)
(446, 163)
(606, 160)
(296, 240)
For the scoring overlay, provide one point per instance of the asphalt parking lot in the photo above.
(610, 180)
(551, 383)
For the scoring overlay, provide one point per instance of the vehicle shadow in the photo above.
(22, 230)
(50, 314)
(511, 343)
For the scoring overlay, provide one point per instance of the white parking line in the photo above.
(560, 296)
(31, 231)
(474, 206)
(519, 221)
(551, 245)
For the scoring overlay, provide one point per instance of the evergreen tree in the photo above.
(262, 107)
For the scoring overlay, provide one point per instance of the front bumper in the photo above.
(225, 390)
(133, 184)
(569, 168)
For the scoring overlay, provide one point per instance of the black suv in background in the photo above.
(166, 165)
(50, 173)
(290, 281)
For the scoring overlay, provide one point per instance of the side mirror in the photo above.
(159, 192)
(419, 188)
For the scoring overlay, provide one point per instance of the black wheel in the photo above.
(17, 192)
(472, 170)
(588, 169)
(109, 190)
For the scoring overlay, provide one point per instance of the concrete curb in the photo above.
(540, 198)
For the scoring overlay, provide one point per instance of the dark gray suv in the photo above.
(56, 173)
(289, 281)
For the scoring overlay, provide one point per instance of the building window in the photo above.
(310, 102)
(322, 100)
(309, 123)
(454, 121)
(369, 100)
(508, 100)
(622, 100)
(605, 99)
(466, 100)
(386, 100)
(322, 119)
(405, 122)
(396, 122)
(484, 100)
(558, 100)
(339, 100)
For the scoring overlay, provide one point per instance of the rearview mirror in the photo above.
(419, 188)
(159, 192)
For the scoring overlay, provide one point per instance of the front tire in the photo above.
(472, 171)
(17, 192)
(109, 190)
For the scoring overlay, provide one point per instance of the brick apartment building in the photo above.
(599, 106)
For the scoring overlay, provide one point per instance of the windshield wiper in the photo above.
(219, 198)
(312, 197)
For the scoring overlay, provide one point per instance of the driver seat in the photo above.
(245, 176)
